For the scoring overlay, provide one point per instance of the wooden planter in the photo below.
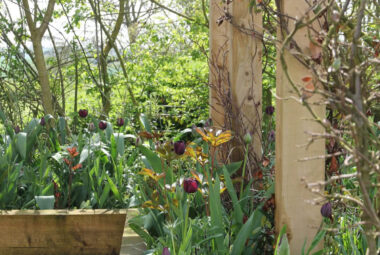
(53, 232)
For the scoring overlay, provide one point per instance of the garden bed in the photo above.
(61, 231)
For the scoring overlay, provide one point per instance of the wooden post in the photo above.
(293, 206)
(235, 70)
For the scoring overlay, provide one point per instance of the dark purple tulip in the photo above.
(102, 125)
(190, 185)
(179, 147)
(165, 251)
(83, 113)
(120, 122)
(17, 129)
(42, 121)
(269, 110)
(271, 136)
(326, 210)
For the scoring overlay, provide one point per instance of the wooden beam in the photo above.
(293, 200)
(235, 70)
(61, 232)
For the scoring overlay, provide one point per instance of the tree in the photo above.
(36, 34)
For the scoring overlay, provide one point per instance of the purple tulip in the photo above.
(120, 122)
(102, 125)
(83, 113)
(326, 210)
(179, 147)
(269, 110)
(42, 121)
(17, 129)
(165, 251)
(190, 185)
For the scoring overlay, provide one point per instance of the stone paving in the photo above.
(132, 244)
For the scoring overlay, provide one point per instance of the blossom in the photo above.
(73, 152)
(269, 110)
(83, 113)
(165, 251)
(17, 129)
(190, 185)
(102, 125)
(326, 210)
(120, 122)
(42, 121)
(179, 147)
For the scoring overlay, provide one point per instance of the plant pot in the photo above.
(58, 232)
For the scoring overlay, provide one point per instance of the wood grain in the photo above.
(61, 232)
(293, 201)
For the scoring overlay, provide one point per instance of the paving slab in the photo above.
(132, 243)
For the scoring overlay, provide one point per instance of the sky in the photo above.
(61, 36)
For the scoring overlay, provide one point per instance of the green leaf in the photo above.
(216, 212)
(145, 123)
(185, 244)
(153, 159)
(252, 223)
(21, 144)
(237, 212)
(282, 244)
(114, 189)
(109, 130)
(119, 137)
(113, 148)
(233, 167)
(83, 155)
(319, 236)
(104, 195)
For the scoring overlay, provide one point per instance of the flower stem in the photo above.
(243, 173)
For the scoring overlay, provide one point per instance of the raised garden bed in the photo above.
(53, 232)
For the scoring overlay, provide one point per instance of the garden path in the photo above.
(132, 243)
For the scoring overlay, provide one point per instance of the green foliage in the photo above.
(171, 217)
(88, 170)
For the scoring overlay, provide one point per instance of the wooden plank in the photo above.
(246, 72)
(235, 70)
(219, 44)
(67, 232)
(63, 212)
(293, 206)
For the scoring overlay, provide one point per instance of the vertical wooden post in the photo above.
(293, 206)
(235, 69)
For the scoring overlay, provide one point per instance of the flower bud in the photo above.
(83, 113)
(102, 125)
(248, 138)
(326, 210)
(179, 147)
(190, 185)
(17, 129)
(120, 122)
(269, 110)
(42, 121)
(165, 251)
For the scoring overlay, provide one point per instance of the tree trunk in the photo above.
(43, 77)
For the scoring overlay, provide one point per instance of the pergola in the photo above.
(236, 72)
